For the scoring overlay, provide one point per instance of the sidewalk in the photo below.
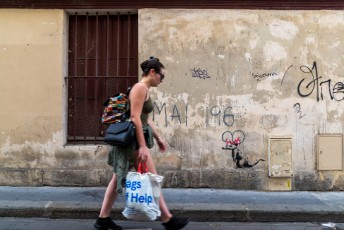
(198, 204)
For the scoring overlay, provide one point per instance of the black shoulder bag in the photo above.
(121, 133)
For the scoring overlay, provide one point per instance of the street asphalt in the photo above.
(17, 223)
(203, 205)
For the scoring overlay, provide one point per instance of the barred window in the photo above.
(102, 60)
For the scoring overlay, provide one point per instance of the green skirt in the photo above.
(122, 159)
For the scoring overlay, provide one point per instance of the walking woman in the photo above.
(124, 158)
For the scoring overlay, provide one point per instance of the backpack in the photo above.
(117, 108)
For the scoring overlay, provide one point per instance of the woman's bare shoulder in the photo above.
(138, 89)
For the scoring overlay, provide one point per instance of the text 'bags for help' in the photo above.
(142, 195)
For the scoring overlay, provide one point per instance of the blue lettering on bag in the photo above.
(133, 185)
(135, 198)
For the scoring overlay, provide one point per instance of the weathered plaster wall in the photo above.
(229, 71)
(252, 71)
(33, 47)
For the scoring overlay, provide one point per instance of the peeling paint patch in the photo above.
(248, 57)
(310, 40)
(183, 97)
(335, 44)
(240, 28)
(273, 51)
(169, 59)
(331, 20)
(8, 147)
(283, 29)
(51, 146)
(266, 84)
(253, 42)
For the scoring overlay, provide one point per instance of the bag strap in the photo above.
(140, 167)
(128, 103)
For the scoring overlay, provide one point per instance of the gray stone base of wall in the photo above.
(319, 181)
(54, 177)
(240, 179)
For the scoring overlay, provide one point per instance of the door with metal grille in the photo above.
(103, 60)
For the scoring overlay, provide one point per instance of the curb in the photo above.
(196, 212)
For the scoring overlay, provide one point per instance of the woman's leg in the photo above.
(104, 221)
(165, 212)
(109, 198)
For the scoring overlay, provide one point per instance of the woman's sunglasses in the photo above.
(162, 76)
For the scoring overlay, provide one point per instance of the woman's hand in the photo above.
(143, 153)
(162, 145)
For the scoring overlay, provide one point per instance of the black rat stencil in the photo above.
(240, 159)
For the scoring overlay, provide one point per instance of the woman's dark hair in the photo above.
(151, 63)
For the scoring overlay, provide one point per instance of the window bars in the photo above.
(103, 60)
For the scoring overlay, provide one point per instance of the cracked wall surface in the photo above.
(230, 74)
(248, 74)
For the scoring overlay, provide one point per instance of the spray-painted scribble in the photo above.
(175, 114)
(311, 81)
(227, 118)
(260, 77)
(285, 74)
(160, 110)
(180, 114)
(232, 141)
(216, 111)
(297, 108)
(202, 74)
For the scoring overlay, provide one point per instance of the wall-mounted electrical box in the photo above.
(280, 157)
(330, 151)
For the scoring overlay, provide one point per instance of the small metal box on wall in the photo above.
(330, 151)
(280, 157)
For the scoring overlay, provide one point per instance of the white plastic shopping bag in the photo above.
(142, 195)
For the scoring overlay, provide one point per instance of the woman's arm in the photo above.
(137, 98)
(155, 133)
(158, 138)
